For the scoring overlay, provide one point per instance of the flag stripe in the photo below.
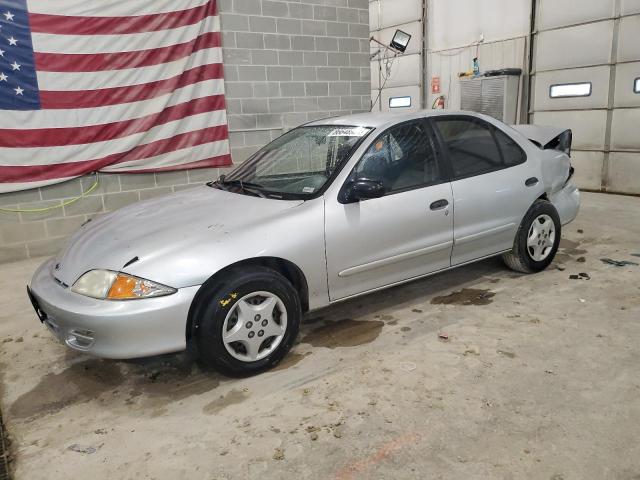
(60, 62)
(53, 43)
(183, 144)
(73, 153)
(52, 137)
(199, 152)
(111, 8)
(81, 25)
(124, 78)
(113, 96)
(125, 111)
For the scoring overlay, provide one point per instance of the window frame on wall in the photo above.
(492, 130)
(558, 97)
(636, 85)
(401, 97)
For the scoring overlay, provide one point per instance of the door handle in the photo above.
(439, 204)
(531, 182)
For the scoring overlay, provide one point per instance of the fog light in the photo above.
(82, 339)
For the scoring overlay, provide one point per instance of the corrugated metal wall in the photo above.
(385, 16)
(599, 42)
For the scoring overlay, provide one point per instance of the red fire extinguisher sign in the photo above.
(435, 84)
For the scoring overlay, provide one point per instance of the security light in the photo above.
(400, 41)
(636, 86)
(569, 90)
(399, 102)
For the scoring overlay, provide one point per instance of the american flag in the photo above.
(110, 85)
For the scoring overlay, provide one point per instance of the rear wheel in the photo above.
(246, 323)
(537, 239)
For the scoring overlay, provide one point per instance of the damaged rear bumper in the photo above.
(567, 201)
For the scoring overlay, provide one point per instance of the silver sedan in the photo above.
(333, 209)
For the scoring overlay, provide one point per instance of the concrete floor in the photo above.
(539, 379)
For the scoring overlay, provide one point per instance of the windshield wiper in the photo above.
(244, 186)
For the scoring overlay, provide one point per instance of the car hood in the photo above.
(161, 229)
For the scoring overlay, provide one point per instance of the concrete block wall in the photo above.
(286, 63)
(35, 234)
(290, 62)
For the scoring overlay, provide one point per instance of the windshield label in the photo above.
(308, 190)
(348, 132)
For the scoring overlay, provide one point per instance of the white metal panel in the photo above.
(455, 23)
(598, 76)
(579, 46)
(588, 126)
(508, 53)
(630, 6)
(406, 70)
(624, 172)
(629, 39)
(588, 167)
(560, 13)
(413, 91)
(414, 29)
(625, 129)
(626, 74)
(373, 16)
(398, 12)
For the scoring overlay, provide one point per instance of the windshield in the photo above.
(299, 163)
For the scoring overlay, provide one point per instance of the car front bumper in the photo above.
(112, 328)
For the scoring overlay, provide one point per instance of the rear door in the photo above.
(493, 185)
(404, 234)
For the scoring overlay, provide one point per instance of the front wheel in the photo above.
(537, 239)
(247, 322)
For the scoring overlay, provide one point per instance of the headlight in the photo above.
(106, 284)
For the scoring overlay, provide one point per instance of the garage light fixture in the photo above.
(568, 90)
(399, 102)
(636, 86)
(400, 41)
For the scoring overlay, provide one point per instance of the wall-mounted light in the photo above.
(636, 86)
(568, 90)
(400, 41)
(399, 102)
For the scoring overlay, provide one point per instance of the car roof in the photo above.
(384, 119)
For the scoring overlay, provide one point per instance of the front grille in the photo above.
(4, 453)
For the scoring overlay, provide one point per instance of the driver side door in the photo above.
(406, 233)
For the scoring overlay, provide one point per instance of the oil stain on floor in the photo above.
(232, 397)
(151, 384)
(291, 360)
(80, 383)
(466, 296)
(344, 333)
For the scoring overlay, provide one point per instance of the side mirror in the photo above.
(362, 189)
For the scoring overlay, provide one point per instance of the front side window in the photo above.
(298, 164)
(402, 158)
(473, 149)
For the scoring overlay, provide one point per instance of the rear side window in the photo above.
(511, 152)
(476, 147)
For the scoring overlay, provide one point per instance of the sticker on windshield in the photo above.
(308, 190)
(348, 132)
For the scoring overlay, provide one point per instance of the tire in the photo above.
(236, 307)
(525, 258)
